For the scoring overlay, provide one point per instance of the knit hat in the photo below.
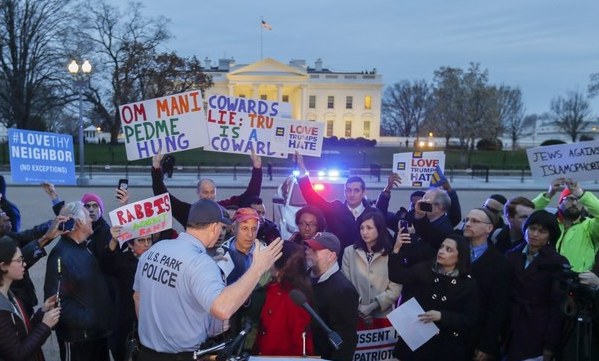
(91, 197)
(546, 220)
(566, 192)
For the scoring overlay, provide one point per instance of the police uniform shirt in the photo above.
(177, 282)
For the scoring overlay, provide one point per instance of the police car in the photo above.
(288, 198)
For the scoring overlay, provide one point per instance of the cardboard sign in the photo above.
(417, 168)
(303, 136)
(169, 124)
(38, 156)
(375, 341)
(579, 161)
(143, 218)
(238, 125)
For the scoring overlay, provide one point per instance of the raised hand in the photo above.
(256, 159)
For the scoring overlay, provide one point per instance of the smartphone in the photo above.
(123, 184)
(68, 225)
(403, 226)
(426, 206)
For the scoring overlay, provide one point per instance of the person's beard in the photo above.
(572, 213)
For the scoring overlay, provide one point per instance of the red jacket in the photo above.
(281, 325)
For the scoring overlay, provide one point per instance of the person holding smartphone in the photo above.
(431, 221)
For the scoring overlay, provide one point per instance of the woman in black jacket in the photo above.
(21, 338)
(446, 292)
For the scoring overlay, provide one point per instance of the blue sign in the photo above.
(36, 157)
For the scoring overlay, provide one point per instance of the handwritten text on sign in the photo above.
(579, 161)
(240, 125)
(143, 218)
(169, 124)
(415, 169)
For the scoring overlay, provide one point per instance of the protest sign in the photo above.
(302, 136)
(38, 156)
(168, 124)
(416, 168)
(143, 218)
(376, 340)
(579, 161)
(238, 125)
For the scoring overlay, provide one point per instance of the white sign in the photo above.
(414, 332)
(376, 340)
(416, 168)
(169, 124)
(579, 161)
(240, 125)
(143, 218)
(303, 136)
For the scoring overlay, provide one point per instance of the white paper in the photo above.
(405, 320)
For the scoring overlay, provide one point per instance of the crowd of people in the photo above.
(505, 282)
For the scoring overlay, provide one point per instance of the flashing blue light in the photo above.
(334, 173)
(321, 173)
(296, 172)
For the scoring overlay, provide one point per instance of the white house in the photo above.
(349, 103)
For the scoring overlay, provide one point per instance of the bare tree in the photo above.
(131, 66)
(571, 114)
(594, 85)
(447, 104)
(404, 107)
(511, 112)
(31, 61)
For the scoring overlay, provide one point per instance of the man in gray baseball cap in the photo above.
(330, 286)
(183, 289)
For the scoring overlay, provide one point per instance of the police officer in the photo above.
(179, 290)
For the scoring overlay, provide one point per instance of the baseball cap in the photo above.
(206, 211)
(324, 240)
(244, 214)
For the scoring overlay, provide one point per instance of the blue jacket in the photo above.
(84, 298)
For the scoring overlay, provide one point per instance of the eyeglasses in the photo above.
(473, 221)
(18, 260)
(144, 240)
(307, 224)
(91, 205)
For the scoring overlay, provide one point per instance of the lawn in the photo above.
(341, 157)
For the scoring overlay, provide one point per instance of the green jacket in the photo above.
(580, 241)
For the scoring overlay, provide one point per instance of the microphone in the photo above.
(300, 299)
(235, 344)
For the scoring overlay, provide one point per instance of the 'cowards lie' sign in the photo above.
(143, 218)
(240, 125)
(169, 124)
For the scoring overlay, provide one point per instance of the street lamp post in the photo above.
(80, 78)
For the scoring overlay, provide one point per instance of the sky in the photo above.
(545, 47)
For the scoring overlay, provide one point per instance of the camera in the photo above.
(426, 206)
(583, 295)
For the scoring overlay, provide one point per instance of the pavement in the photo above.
(226, 179)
